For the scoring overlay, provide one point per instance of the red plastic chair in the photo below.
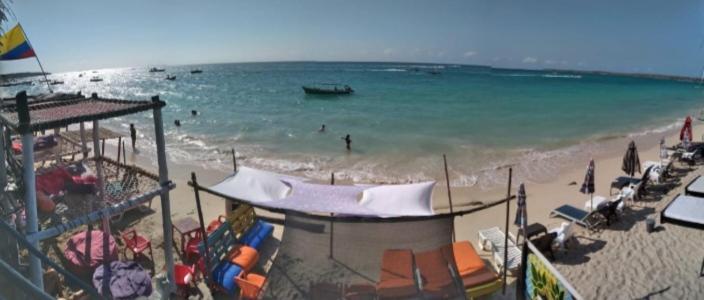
(214, 224)
(184, 275)
(136, 243)
(250, 285)
(192, 251)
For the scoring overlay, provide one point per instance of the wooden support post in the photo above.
(202, 225)
(101, 196)
(449, 195)
(165, 201)
(234, 161)
(30, 195)
(84, 144)
(508, 209)
(102, 150)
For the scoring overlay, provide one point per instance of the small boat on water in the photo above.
(328, 89)
(171, 77)
(15, 83)
(96, 79)
(56, 82)
(196, 71)
(154, 70)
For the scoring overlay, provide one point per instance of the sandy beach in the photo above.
(622, 261)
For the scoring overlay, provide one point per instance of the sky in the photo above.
(645, 36)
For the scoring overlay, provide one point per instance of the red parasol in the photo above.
(686, 128)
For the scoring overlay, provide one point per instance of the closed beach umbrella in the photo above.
(588, 184)
(521, 212)
(686, 129)
(631, 161)
(663, 149)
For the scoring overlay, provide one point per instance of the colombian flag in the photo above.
(14, 45)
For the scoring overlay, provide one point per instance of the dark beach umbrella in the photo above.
(521, 212)
(588, 184)
(631, 161)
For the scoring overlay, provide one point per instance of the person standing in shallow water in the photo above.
(322, 128)
(348, 141)
(133, 135)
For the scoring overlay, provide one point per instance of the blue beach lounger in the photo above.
(572, 213)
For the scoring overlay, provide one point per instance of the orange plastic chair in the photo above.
(250, 285)
(192, 252)
(183, 276)
(135, 243)
(244, 256)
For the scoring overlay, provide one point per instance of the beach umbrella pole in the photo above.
(332, 223)
(508, 209)
(234, 160)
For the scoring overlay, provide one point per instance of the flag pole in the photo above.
(46, 80)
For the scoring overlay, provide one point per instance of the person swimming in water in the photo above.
(177, 123)
(322, 128)
(194, 112)
(348, 141)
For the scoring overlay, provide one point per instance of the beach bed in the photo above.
(494, 239)
(684, 210)
(579, 216)
(695, 187)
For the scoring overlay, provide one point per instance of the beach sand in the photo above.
(619, 262)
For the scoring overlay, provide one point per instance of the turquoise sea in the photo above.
(401, 118)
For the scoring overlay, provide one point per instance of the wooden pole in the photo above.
(124, 153)
(234, 161)
(101, 196)
(119, 143)
(102, 150)
(332, 224)
(449, 194)
(508, 209)
(202, 225)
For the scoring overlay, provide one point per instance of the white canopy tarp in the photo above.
(401, 199)
(292, 193)
(253, 185)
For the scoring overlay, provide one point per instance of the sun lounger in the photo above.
(477, 278)
(684, 210)
(397, 277)
(579, 216)
(436, 278)
(695, 187)
(493, 239)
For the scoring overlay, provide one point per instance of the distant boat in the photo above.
(16, 83)
(328, 89)
(434, 72)
(56, 82)
(196, 71)
(154, 70)
(96, 79)
(170, 77)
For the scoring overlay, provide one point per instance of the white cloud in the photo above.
(548, 62)
(441, 54)
(564, 62)
(530, 60)
(388, 51)
(470, 53)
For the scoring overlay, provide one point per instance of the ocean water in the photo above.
(401, 118)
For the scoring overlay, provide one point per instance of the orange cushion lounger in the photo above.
(397, 279)
(244, 256)
(436, 276)
(477, 278)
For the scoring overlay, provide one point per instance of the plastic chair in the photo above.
(192, 251)
(136, 243)
(214, 224)
(250, 285)
(184, 275)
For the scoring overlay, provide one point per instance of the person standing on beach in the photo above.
(133, 135)
(348, 141)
